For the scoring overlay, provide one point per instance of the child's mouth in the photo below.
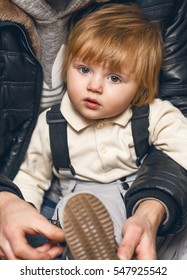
(91, 103)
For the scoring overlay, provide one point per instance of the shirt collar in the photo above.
(78, 122)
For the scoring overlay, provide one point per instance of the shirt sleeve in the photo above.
(168, 131)
(35, 174)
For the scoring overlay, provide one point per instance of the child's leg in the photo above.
(109, 194)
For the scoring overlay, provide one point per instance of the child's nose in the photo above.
(95, 85)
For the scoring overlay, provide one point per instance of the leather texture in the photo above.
(20, 91)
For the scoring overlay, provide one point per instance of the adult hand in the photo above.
(18, 219)
(139, 232)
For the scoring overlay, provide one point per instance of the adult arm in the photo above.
(155, 204)
(162, 179)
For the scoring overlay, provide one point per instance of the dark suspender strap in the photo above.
(140, 124)
(58, 135)
(58, 138)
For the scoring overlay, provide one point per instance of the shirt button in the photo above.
(125, 186)
(99, 125)
(103, 149)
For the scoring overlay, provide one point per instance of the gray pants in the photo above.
(172, 247)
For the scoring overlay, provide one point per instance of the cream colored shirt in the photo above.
(101, 150)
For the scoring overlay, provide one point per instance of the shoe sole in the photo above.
(88, 229)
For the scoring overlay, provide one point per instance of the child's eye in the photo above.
(114, 79)
(84, 69)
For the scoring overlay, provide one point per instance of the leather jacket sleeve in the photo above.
(6, 185)
(161, 178)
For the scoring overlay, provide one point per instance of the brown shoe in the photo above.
(89, 229)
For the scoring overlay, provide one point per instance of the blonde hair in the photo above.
(121, 37)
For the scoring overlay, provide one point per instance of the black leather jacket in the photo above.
(20, 89)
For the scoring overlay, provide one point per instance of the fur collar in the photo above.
(9, 11)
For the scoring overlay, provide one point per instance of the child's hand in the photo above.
(17, 219)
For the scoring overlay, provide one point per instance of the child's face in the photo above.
(98, 93)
